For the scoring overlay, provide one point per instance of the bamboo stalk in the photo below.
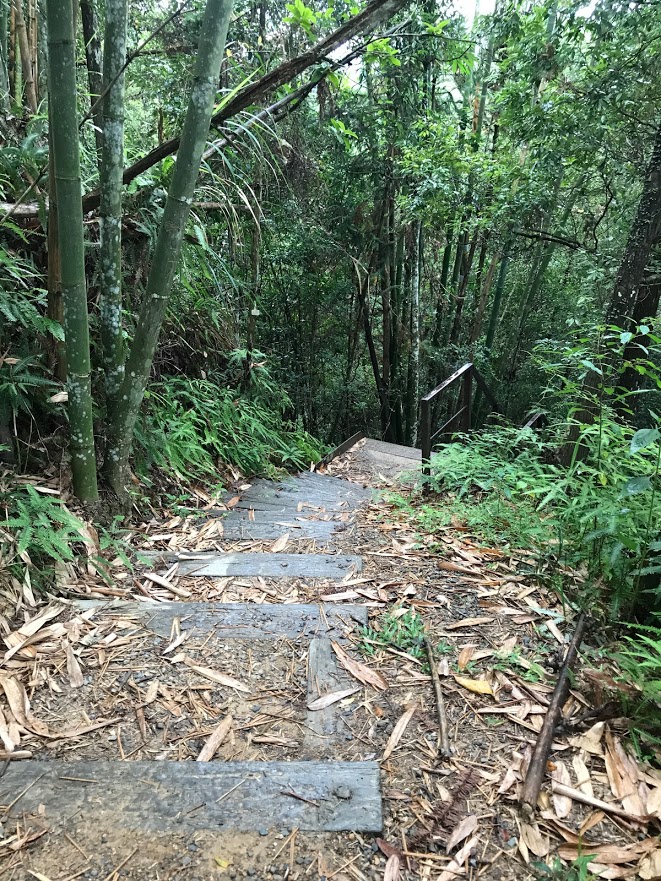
(168, 245)
(26, 63)
(110, 180)
(66, 161)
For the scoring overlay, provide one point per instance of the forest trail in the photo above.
(233, 707)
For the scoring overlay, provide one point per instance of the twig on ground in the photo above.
(533, 782)
(443, 738)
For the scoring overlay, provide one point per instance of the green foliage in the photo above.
(639, 660)
(193, 427)
(578, 870)
(402, 631)
(36, 526)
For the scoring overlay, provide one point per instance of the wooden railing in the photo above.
(461, 419)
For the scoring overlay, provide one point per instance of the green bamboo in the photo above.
(497, 300)
(66, 161)
(168, 245)
(110, 180)
(4, 67)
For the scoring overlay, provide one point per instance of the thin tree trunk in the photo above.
(168, 245)
(413, 391)
(497, 300)
(484, 296)
(4, 57)
(110, 215)
(26, 63)
(461, 295)
(64, 125)
(55, 304)
(644, 235)
(94, 61)
(11, 54)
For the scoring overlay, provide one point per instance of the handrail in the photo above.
(465, 374)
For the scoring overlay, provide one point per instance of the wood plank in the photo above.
(341, 448)
(188, 796)
(237, 620)
(290, 506)
(375, 446)
(273, 565)
(325, 727)
(241, 528)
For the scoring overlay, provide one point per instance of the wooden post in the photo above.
(466, 400)
(425, 435)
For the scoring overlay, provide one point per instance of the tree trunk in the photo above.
(645, 233)
(482, 304)
(110, 215)
(461, 294)
(4, 57)
(94, 61)
(66, 160)
(26, 55)
(497, 300)
(413, 390)
(168, 245)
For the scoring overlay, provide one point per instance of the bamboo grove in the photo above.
(365, 198)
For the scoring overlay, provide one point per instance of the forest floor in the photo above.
(112, 686)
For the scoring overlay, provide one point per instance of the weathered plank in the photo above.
(237, 528)
(237, 620)
(375, 446)
(273, 565)
(183, 796)
(325, 727)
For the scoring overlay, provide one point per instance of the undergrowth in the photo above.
(581, 497)
(201, 428)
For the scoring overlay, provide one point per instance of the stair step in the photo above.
(238, 620)
(266, 565)
(186, 796)
(237, 527)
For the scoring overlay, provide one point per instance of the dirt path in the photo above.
(280, 640)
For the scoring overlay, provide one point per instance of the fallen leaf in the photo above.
(583, 781)
(20, 706)
(392, 869)
(215, 676)
(590, 741)
(456, 865)
(562, 805)
(649, 867)
(326, 700)
(359, 671)
(479, 686)
(280, 544)
(74, 672)
(467, 826)
(468, 622)
(465, 656)
(214, 740)
(654, 802)
(534, 839)
(609, 853)
(397, 732)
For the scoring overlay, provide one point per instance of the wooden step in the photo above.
(238, 528)
(333, 566)
(237, 620)
(188, 796)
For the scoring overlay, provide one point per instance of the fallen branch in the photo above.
(443, 737)
(583, 798)
(533, 782)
